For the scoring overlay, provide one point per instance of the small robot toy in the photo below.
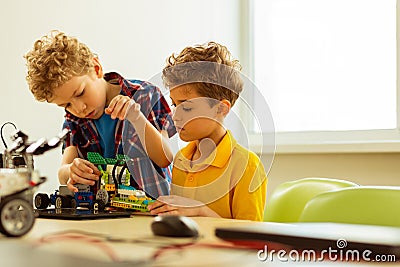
(18, 179)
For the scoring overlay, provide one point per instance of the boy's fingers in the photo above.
(117, 107)
(110, 110)
(154, 210)
(71, 187)
(92, 167)
(111, 106)
(85, 172)
(163, 209)
(81, 180)
(87, 169)
(171, 212)
(155, 205)
(124, 111)
(122, 107)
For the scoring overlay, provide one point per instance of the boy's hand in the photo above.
(123, 107)
(177, 205)
(82, 172)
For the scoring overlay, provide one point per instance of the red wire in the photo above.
(80, 237)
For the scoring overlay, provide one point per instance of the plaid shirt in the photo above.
(146, 175)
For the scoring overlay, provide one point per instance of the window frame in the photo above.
(363, 141)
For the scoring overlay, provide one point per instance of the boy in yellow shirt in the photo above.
(213, 175)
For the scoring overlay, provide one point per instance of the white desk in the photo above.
(46, 238)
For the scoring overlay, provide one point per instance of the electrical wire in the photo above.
(114, 175)
(1, 132)
(124, 166)
(81, 238)
(101, 241)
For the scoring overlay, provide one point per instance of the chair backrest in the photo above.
(287, 201)
(371, 205)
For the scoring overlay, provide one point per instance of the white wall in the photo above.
(130, 36)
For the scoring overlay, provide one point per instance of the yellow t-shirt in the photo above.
(231, 181)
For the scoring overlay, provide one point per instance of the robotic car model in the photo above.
(64, 198)
(18, 180)
(114, 188)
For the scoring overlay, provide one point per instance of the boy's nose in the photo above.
(79, 107)
(175, 115)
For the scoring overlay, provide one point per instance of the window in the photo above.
(327, 69)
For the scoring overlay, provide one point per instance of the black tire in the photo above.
(59, 202)
(73, 203)
(98, 205)
(68, 201)
(16, 217)
(42, 201)
(63, 202)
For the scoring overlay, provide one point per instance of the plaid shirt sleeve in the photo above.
(155, 108)
(82, 135)
(155, 181)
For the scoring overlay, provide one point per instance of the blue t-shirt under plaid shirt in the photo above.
(106, 129)
(146, 175)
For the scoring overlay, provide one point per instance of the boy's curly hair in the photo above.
(54, 60)
(222, 79)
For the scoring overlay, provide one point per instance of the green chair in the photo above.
(371, 205)
(288, 199)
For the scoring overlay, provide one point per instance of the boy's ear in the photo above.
(98, 68)
(224, 107)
